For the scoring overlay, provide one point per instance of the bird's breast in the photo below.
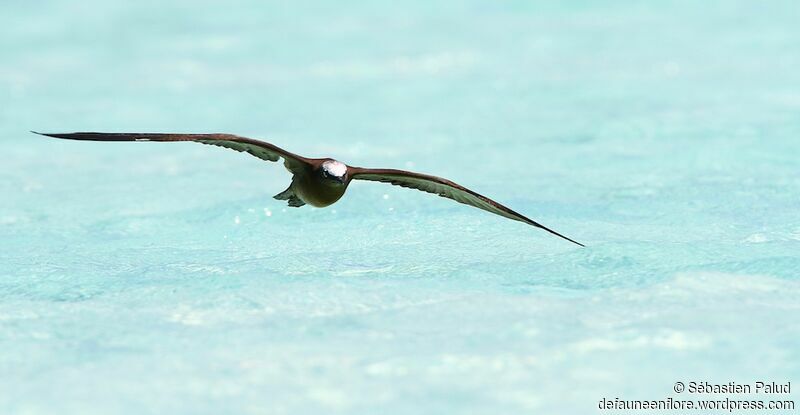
(318, 193)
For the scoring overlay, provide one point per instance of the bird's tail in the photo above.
(289, 195)
(285, 195)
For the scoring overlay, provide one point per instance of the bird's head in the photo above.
(333, 172)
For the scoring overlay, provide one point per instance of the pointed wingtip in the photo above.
(70, 136)
(571, 240)
(538, 225)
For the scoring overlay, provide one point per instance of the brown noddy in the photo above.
(321, 182)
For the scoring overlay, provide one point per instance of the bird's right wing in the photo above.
(260, 149)
(444, 188)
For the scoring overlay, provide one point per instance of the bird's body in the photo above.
(312, 187)
(321, 182)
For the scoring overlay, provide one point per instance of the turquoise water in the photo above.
(140, 278)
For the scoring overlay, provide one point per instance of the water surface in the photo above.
(146, 278)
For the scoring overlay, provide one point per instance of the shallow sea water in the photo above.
(143, 278)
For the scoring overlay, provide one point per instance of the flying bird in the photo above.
(321, 182)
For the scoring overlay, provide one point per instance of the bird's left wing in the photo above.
(444, 188)
(260, 149)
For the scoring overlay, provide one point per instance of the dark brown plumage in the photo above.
(322, 181)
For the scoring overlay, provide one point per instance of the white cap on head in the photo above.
(335, 168)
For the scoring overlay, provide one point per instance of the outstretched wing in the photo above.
(444, 188)
(260, 149)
